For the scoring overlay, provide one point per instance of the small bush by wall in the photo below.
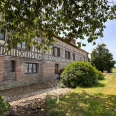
(4, 106)
(80, 74)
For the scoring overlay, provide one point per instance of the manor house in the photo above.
(21, 67)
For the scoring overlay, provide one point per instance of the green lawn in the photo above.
(114, 70)
(96, 101)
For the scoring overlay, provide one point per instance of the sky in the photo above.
(109, 39)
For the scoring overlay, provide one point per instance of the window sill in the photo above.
(56, 56)
(68, 58)
(31, 73)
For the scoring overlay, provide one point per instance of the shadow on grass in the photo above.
(82, 104)
(97, 85)
(100, 85)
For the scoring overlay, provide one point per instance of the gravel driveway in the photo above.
(30, 100)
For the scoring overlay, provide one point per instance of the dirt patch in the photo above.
(23, 92)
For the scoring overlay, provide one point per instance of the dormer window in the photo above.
(21, 45)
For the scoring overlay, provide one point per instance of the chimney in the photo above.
(73, 41)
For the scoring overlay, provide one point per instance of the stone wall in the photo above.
(1, 68)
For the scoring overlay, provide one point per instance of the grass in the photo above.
(114, 70)
(95, 101)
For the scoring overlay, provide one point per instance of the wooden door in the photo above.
(56, 68)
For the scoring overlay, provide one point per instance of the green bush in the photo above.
(100, 75)
(4, 106)
(79, 74)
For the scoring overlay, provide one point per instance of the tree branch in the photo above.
(77, 6)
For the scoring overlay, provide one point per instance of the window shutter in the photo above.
(69, 55)
(59, 52)
(73, 56)
(53, 51)
(65, 54)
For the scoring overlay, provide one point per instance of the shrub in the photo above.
(4, 106)
(79, 74)
(100, 75)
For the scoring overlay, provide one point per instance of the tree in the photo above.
(102, 59)
(26, 19)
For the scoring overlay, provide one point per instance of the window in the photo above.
(67, 54)
(2, 36)
(30, 67)
(22, 45)
(56, 51)
(73, 56)
(12, 66)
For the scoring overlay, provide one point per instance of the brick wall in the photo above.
(1, 68)
(45, 68)
(49, 69)
(18, 78)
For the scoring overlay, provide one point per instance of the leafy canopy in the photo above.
(26, 19)
(102, 59)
